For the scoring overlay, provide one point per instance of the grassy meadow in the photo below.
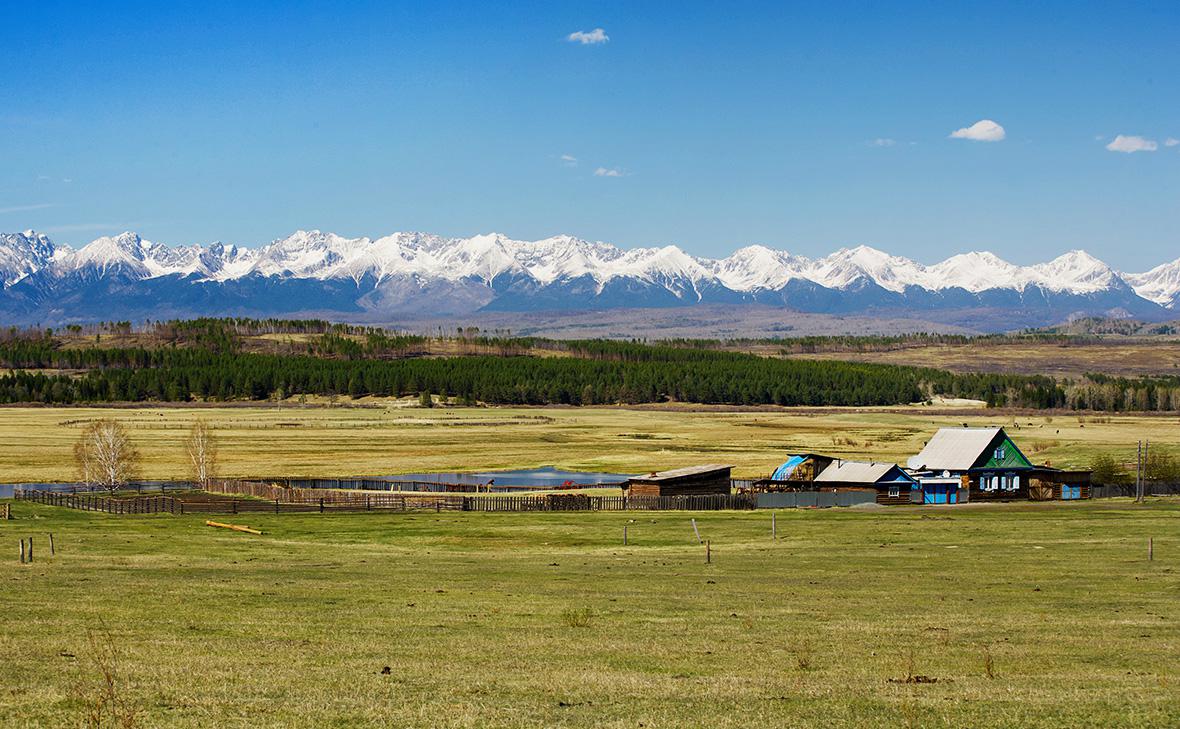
(1018, 615)
(388, 438)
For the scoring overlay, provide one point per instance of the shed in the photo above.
(1045, 483)
(891, 484)
(712, 478)
(796, 473)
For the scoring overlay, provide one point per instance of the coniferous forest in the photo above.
(205, 360)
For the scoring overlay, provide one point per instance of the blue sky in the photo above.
(804, 126)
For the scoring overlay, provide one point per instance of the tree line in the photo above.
(202, 360)
(597, 373)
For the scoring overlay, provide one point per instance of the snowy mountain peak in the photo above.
(1075, 271)
(485, 264)
(125, 251)
(1161, 284)
(22, 254)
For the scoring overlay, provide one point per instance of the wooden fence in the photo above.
(217, 504)
(105, 504)
(277, 500)
(406, 484)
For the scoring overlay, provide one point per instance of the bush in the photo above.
(1162, 466)
(1109, 472)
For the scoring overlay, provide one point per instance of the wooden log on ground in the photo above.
(234, 527)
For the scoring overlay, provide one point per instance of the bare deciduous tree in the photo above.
(202, 453)
(105, 455)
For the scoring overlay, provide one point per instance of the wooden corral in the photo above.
(694, 480)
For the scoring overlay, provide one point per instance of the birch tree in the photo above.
(202, 453)
(105, 455)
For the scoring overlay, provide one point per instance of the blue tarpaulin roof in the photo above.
(783, 472)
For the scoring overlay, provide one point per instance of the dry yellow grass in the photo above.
(388, 438)
(1131, 359)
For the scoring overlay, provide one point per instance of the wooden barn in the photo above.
(692, 481)
(888, 481)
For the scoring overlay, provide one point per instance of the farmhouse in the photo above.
(983, 464)
(887, 481)
(692, 481)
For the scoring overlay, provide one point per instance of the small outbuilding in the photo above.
(889, 483)
(795, 474)
(692, 481)
(1053, 484)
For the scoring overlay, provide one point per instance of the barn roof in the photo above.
(954, 449)
(683, 472)
(858, 472)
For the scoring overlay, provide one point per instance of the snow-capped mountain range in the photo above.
(419, 274)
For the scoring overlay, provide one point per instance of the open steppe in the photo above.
(1021, 615)
(384, 437)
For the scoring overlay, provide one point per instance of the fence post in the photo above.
(321, 504)
(1150, 549)
(708, 553)
(52, 549)
(22, 551)
(30, 550)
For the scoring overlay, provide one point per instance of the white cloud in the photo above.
(1132, 143)
(588, 38)
(608, 172)
(1171, 142)
(25, 208)
(569, 160)
(882, 142)
(984, 130)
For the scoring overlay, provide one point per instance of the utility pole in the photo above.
(1138, 468)
(1146, 451)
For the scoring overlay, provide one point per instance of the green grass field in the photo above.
(36, 444)
(1026, 615)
